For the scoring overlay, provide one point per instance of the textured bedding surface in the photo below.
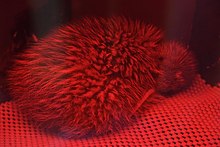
(189, 118)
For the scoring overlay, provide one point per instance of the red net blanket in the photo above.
(190, 118)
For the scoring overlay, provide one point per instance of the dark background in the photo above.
(205, 39)
(193, 22)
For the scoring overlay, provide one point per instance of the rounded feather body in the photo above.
(86, 77)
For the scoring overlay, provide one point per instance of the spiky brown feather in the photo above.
(86, 77)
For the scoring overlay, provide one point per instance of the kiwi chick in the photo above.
(89, 77)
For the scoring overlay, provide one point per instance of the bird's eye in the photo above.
(161, 58)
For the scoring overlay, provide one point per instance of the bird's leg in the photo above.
(144, 98)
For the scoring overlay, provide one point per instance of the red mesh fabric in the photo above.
(188, 118)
